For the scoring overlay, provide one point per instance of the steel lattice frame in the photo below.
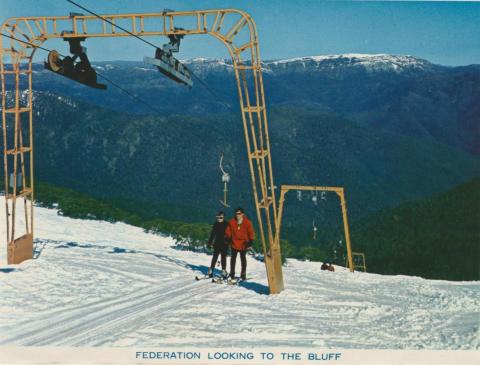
(235, 29)
(343, 204)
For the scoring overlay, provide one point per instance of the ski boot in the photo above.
(210, 273)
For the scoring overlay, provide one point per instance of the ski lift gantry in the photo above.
(341, 194)
(234, 28)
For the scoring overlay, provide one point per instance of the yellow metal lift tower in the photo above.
(340, 192)
(234, 28)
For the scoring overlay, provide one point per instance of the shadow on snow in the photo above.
(250, 285)
(40, 245)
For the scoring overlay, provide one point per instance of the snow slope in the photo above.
(101, 284)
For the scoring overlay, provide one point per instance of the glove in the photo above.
(249, 244)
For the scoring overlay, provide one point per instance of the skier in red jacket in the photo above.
(240, 233)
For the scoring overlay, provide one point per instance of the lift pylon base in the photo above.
(20, 250)
(274, 271)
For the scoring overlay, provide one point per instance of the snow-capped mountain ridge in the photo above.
(326, 63)
(362, 57)
(367, 61)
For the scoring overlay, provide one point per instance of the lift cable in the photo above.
(98, 74)
(130, 94)
(203, 83)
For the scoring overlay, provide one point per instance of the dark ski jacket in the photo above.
(217, 236)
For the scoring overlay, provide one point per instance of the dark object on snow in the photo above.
(327, 266)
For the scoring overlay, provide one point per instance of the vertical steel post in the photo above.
(343, 204)
(19, 241)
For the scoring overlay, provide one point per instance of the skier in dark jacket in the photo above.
(217, 238)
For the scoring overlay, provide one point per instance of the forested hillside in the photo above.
(437, 238)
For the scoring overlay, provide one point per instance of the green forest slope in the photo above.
(437, 238)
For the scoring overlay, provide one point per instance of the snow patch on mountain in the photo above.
(36, 95)
(205, 65)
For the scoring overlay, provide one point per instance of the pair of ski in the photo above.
(228, 281)
(220, 280)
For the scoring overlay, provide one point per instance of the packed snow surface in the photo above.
(101, 284)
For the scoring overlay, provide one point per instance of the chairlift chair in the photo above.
(169, 65)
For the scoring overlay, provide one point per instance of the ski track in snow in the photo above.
(101, 284)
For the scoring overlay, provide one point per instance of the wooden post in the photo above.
(347, 230)
(19, 240)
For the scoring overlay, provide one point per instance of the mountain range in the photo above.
(399, 94)
(390, 129)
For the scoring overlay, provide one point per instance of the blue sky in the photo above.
(442, 32)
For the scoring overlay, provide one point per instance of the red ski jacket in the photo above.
(240, 234)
